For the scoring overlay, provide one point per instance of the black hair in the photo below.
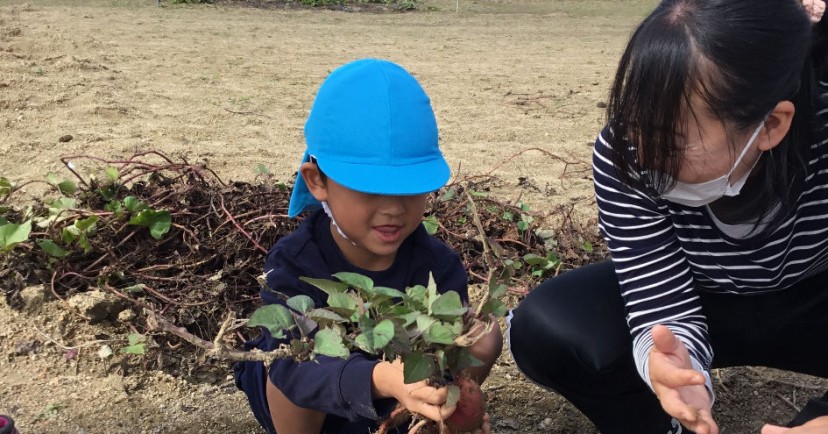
(741, 57)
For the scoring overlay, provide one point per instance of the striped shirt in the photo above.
(665, 252)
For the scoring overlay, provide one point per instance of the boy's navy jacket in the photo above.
(332, 385)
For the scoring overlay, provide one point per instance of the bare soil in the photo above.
(518, 88)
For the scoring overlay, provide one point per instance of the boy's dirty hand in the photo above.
(485, 428)
(419, 398)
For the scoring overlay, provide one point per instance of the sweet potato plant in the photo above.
(429, 331)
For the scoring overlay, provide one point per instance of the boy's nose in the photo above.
(393, 205)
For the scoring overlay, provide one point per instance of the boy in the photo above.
(372, 157)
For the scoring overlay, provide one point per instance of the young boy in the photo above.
(372, 157)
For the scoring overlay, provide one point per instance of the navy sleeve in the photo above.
(328, 384)
(453, 277)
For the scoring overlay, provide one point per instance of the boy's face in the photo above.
(377, 224)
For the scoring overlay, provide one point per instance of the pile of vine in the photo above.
(173, 238)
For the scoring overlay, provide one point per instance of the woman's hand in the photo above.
(419, 398)
(679, 387)
(814, 426)
(815, 9)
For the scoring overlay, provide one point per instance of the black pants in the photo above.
(570, 334)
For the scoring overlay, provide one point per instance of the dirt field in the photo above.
(517, 87)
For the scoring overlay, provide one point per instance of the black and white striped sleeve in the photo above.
(654, 275)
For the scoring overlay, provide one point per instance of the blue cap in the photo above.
(371, 129)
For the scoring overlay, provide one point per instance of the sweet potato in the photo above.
(469, 413)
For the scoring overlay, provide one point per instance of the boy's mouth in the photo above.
(388, 233)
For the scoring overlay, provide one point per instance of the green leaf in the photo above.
(261, 169)
(431, 225)
(158, 222)
(112, 173)
(70, 234)
(324, 314)
(12, 234)
(475, 193)
(87, 224)
(301, 303)
(416, 296)
(137, 349)
(305, 324)
(448, 195)
(274, 317)
(67, 188)
(355, 280)
(388, 292)
(6, 187)
(52, 248)
(553, 260)
(424, 322)
(508, 216)
(417, 367)
(533, 259)
(496, 307)
(587, 247)
(522, 226)
(342, 303)
(432, 292)
(328, 286)
(461, 359)
(439, 334)
(64, 203)
(133, 205)
(83, 241)
(409, 318)
(383, 333)
(113, 206)
(448, 305)
(137, 344)
(364, 343)
(442, 360)
(138, 287)
(329, 343)
(453, 395)
(497, 290)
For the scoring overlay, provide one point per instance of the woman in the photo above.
(711, 180)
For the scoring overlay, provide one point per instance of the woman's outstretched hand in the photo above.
(680, 388)
(814, 426)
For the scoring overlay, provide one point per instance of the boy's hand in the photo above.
(419, 398)
(486, 428)
(679, 387)
(487, 349)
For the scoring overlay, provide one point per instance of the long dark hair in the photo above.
(741, 57)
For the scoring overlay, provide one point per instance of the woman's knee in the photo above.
(571, 323)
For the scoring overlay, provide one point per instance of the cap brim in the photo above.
(403, 180)
(300, 198)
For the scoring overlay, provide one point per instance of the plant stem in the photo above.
(487, 254)
(217, 349)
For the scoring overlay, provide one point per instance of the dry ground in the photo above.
(231, 86)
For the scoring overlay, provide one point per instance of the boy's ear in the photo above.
(313, 179)
(777, 126)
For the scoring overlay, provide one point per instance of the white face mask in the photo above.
(703, 193)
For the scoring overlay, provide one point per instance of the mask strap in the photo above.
(744, 150)
(330, 215)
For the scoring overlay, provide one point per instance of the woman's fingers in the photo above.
(665, 341)
(672, 377)
(773, 429)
